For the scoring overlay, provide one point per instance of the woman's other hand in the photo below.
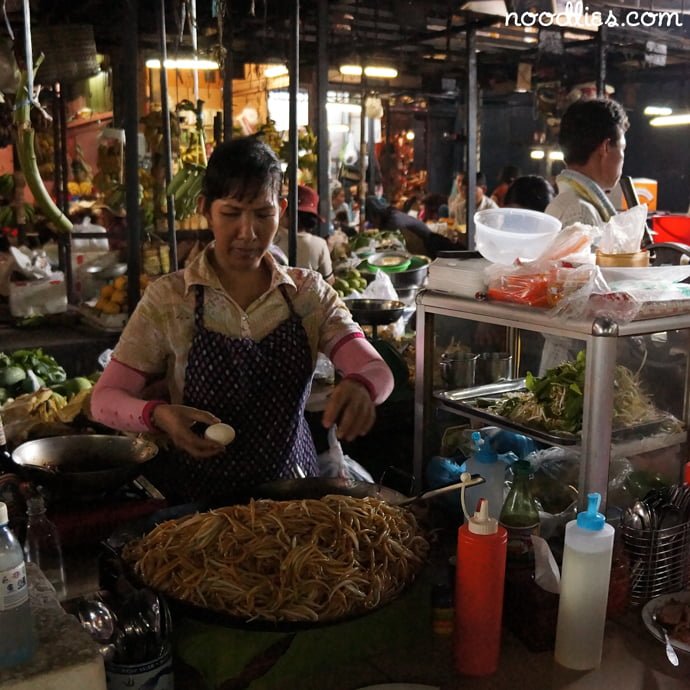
(351, 408)
(177, 420)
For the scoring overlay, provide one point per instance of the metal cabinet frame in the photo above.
(600, 336)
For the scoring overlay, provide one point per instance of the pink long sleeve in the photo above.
(116, 399)
(356, 358)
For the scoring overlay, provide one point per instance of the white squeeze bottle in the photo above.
(584, 588)
(16, 624)
(485, 461)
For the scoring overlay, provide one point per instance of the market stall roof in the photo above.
(423, 38)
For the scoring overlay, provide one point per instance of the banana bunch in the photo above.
(7, 215)
(7, 186)
(185, 188)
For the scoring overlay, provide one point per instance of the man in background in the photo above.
(592, 138)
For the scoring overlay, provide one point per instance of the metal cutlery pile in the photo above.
(131, 629)
(659, 509)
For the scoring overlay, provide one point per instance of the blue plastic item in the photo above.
(485, 461)
(591, 519)
(509, 442)
(442, 471)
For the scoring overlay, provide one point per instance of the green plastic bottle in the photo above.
(520, 514)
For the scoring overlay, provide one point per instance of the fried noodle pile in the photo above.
(307, 560)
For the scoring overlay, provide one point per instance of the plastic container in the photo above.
(584, 588)
(485, 461)
(479, 581)
(42, 545)
(505, 234)
(17, 641)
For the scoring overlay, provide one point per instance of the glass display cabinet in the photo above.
(650, 438)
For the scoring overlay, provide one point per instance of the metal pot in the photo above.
(85, 465)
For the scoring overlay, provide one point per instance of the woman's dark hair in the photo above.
(529, 191)
(307, 222)
(586, 124)
(375, 210)
(241, 168)
(432, 203)
(508, 174)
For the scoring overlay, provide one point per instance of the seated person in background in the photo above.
(507, 176)
(458, 207)
(338, 203)
(419, 239)
(431, 207)
(312, 251)
(457, 188)
(529, 191)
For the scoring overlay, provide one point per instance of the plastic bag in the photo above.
(335, 464)
(530, 283)
(623, 232)
(380, 288)
(583, 292)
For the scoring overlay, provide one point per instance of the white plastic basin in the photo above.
(505, 234)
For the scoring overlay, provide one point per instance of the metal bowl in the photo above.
(85, 465)
(375, 312)
(107, 272)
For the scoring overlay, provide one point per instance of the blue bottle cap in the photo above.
(482, 450)
(591, 519)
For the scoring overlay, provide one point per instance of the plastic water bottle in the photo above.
(480, 574)
(17, 640)
(42, 545)
(584, 588)
(485, 461)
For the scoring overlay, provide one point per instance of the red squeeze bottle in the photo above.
(479, 579)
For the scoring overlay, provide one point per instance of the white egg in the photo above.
(220, 433)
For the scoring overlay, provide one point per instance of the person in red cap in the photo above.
(312, 251)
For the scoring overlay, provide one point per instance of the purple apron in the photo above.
(260, 388)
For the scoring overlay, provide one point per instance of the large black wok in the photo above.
(280, 490)
(82, 466)
(375, 312)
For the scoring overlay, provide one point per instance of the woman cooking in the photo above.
(236, 337)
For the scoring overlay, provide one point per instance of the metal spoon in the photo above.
(670, 652)
(643, 512)
(632, 519)
(97, 619)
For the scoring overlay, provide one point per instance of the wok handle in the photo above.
(432, 493)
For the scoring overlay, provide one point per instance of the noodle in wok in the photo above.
(307, 560)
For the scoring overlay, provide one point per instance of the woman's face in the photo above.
(244, 228)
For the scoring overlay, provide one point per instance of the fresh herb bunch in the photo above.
(554, 402)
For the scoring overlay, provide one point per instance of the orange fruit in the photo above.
(119, 297)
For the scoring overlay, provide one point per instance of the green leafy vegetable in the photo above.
(554, 402)
(27, 370)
